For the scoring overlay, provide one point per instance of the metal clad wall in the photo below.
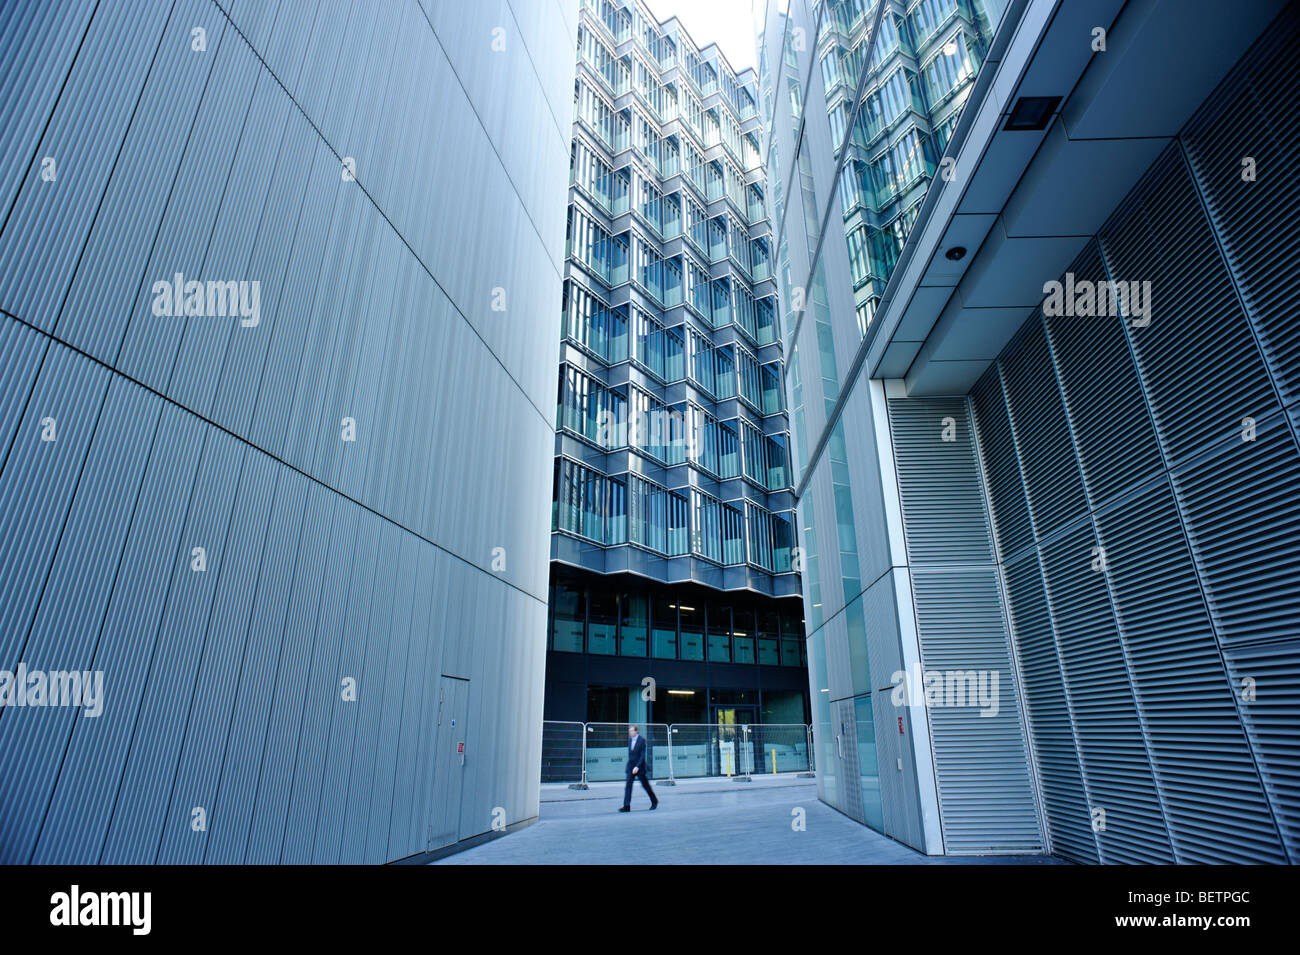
(981, 761)
(323, 559)
(1158, 647)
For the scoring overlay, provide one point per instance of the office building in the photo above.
(1036, 263)
(674, 553)
(275, 401)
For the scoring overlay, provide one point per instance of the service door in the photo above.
(450, 742)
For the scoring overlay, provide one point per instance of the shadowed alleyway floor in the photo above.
(710, 821)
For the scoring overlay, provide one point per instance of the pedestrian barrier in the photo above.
(582, 753)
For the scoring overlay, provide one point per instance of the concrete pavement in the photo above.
(711, 821)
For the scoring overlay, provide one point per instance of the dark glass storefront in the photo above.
(708, 656)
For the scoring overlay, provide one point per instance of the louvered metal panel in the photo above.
(1108, 727)
(943, 507)
(1243, 519)
(1200, 367)
(1256, 209)
(1038, 421)
(1213, 802)
(1047, 710)
(1107, 412)
(986, 799)
(1006, 491)
(1266, 678)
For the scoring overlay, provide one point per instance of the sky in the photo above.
(728, 23)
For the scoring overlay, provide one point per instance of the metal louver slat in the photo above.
(1112, 747)
(943, 507)
(981, 762)
(1197, 358)
(1047, 708)
(1267, 680)
(1250, 117)
(986, 799)
(1214, 805)
(1011, 521)
(1042, 432)
(1107, 412)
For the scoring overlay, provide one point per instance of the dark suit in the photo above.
(636, 760)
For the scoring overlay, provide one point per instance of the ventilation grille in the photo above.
(1042, 432)
(1201, 367)
(1214, 805)
(1002, 472)
(1107, 410)
(1253, 116)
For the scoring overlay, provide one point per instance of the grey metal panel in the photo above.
(62, 633)
(1053, 486)
(938, 481)
(208, 715)
(77, 817)
(1267, 680)
(140, 812)
(290, 681)
(37, 44)
(371, 685)
(111, 277)
(231, 817)
(49, 221)
(324, 691)
(1113, 748)
(331, 815)
(146, 345)
(1006, 491)
(21, 352)
(1108, 417)
(1047, 711)
(1243, 521)
(381, 774)
(1214, 805)
(227, 700)
(1245, 119)
(986, 796)
(1199, 363)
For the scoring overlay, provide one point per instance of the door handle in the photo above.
(839, 745)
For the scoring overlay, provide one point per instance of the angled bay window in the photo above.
(591, 323)
(706, 526)
(579, 500)
(588, 408)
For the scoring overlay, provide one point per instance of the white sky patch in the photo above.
(728, 23)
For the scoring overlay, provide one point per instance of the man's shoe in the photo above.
(654, 805)
(626, 809)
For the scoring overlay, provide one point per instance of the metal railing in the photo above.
(582, 753)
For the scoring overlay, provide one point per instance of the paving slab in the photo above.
(702, 822)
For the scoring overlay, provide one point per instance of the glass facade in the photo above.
(1078, 512)
(672, 450)
(670, 408)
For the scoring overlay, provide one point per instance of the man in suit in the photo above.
(636, 769)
